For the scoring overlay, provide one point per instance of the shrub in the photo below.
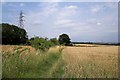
(41, 43)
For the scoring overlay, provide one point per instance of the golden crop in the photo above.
(91, 62)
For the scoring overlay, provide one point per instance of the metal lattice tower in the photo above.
(21, 21)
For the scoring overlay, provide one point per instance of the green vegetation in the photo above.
(43, 44)
(64, 39)
(12, 34)
(18, 65)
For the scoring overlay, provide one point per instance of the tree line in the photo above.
(13, 35)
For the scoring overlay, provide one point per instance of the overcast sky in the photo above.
(82, 21)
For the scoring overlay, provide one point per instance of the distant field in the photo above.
(79, 61)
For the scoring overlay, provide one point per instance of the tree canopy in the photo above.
(64, 39)
(12, 34)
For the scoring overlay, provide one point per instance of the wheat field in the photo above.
(91, 62)
(81, 61)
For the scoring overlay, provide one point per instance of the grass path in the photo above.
(41, 65)
(91, 62)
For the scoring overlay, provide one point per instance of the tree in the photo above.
(12, 34)
(64, 39)
(54, 41)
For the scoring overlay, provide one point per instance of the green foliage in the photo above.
(54, 41)
(64, 39)
(12, 34)
(43, 43)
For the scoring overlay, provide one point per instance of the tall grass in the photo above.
(18, 65)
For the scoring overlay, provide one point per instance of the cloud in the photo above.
(60, 22)
(96, 9)
(65, 16)
(99, 23)
(67, 12)
(21, 4)
(61, 16)
(72, 7)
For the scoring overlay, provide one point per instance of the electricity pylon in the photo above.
(21, 21)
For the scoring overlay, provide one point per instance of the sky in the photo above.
(82, 21)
